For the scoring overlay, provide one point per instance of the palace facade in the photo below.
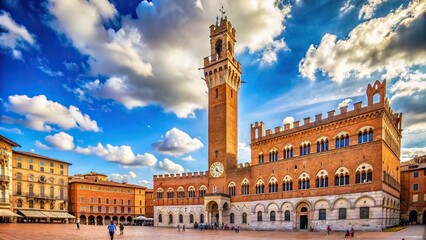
(40, 188)
(341, 170)
(95, 200)
(413, 190)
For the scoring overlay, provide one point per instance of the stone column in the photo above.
(220, 220)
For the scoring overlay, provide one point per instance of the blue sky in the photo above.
(113, 87)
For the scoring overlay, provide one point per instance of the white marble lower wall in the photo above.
(380, 213)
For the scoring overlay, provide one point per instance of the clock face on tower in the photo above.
(216, 169)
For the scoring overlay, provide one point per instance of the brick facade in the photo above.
(95, 200)
(413, 193)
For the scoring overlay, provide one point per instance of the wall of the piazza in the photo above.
(378, 217)
(149, 203)
(165, 183)
(140, 201)
(96, 203)
(329, 162)
(40, 186)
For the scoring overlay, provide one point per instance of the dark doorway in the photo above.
(304, 222)
(424, 217)
(413, 216)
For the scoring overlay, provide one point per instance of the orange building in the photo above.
(340, 170)
(413, 190)
(149, 203)
(95, 200)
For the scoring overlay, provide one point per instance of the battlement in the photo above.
(180, 175)
(374, 102)
(224, 25)
(245, 165)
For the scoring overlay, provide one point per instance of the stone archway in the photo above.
(303, 212)
(99, 220)
(413, 216)
(92, 220)
(83, 219)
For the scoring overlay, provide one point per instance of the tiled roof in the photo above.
(39, 156)
(14, 144)
(107, 183)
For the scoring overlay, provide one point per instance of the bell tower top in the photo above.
(221, 66)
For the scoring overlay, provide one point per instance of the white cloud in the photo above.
(410, 83)
(344, 103)
(71, 66)
(62, 141)
(244, 153)
(40, 114)
(377, 45)
(367, 10)
(287, 120)
(132, 174)
(347, 7)
(42, 64)
(177, 143)
(146, 183)
(16, 37)
(119, 154)
(188, 158)
(170, 167)
(410, 153)
(41, 145)
(140, 58)
(118, 177)
(11, 130)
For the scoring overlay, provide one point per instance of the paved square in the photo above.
(69, 231)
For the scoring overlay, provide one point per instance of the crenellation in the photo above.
(296, 124)
(331, 113)
(358, 105)
(268, 132)
(343, 109)
(277, 129)
(318, 117)
(306, 120)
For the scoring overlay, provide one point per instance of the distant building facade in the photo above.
(149, 203)
(95, 200)
(413, 193)
(40, 188)
(6, 181)
(342, 170)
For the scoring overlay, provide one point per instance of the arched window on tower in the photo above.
(244, 218)
(261, 158)
(365, 135)
(273, 185)
(287, 183)
(260, 187)
(273, 155)
(245, 187)
(304, 182)
(288, 152)
(259, 216)
(231, 189)
(170, 193)
(341, 177)
(160, 193)
(305, 148)
(321, 180)
(180, 192)
(272, 216)
(364, 173)
(191, 192)
(202, 191)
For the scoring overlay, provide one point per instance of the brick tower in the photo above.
(223, 77)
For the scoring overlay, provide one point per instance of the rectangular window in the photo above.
(364, 213)
(322, 214)
(61, 166)
(19, 165)
(91, 208)
(61, 172)
(115, 209)
(115, 189)
(122, 209)
(52, 170)
(122, 201)
(128, 202)
(107, 201)
(415, 198)
(52, 164)
(82, 186)
(99, 209)
(81, 199)
(41, 169)
(415, 174)
(115, 201)
(129, 210)
(82, 208)
(90, 187)
(99, 200)
(91, 199)
(99, 188)
(342, 213)
(415, 186)
(107, 209)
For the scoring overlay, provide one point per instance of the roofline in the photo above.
(14, 144)
(106, 183)
(40, 156)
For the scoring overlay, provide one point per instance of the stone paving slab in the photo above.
(24, 231)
